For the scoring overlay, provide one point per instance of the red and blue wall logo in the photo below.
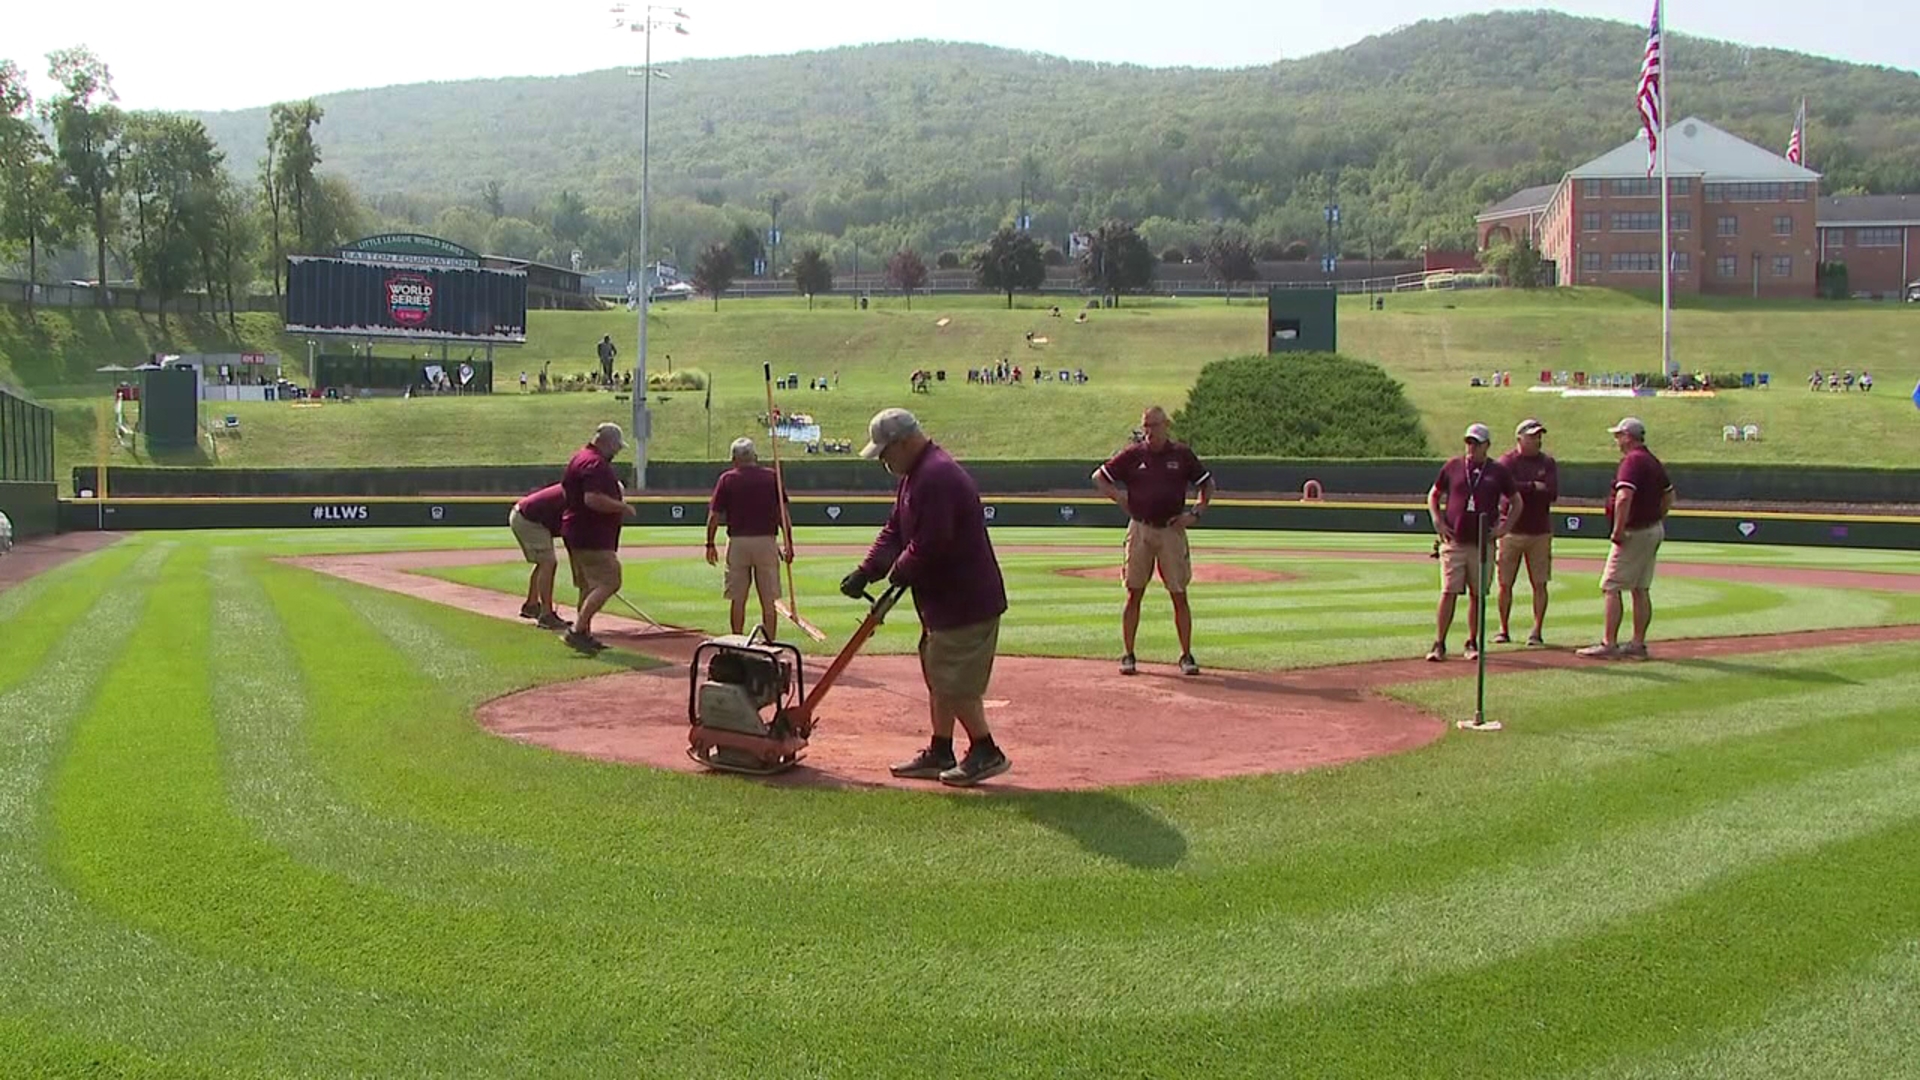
(409, 299)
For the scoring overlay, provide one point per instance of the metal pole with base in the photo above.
(1480, 721)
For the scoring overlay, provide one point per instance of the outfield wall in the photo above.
(1707, 483)
(34, 508)
(1816, 530)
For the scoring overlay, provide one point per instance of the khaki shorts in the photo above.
(753, 561)
(1150, 546)
(1459, 567)
(594, 569)
(1536, 549)
(957, 664)
(536, 543)
(1630, 562)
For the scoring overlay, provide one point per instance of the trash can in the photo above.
(863, 303)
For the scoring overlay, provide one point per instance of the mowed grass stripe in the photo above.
(260, 705)
(35, 616)
(1858, 1026)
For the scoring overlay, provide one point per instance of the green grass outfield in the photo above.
(1148, 351)
(248, 828)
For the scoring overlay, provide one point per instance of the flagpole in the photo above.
(1666, 217)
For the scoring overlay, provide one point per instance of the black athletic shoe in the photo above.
(1128, 665)
(977, 766)
(928, 764)
(585, 642)
(551, 620)
(1189, 666)
(529, 611)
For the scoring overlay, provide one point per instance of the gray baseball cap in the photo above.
(1479, 433)
(1530, 426)
(887, 427)
(1630, 425)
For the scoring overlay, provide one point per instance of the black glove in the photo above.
(854, 585)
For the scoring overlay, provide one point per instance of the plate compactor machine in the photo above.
(747, 698)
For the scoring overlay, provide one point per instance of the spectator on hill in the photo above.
(1866, 381)
(596, 508)
(607, 352)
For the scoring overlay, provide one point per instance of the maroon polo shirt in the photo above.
(583, 527)
(747, 497)
(1470, 490)
(545, 507)
(1536, 516)
(1641, 473)
(935, 542)
(1156, 480)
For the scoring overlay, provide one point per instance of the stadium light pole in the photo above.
(652, 16)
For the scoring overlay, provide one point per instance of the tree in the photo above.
(491, 200)
(714, 271)
(948, 260)
(1230, 262)
(33, 216)
(86, 128)
(1011, 261)
(334, 213)
(1117, 260)
(234, 236)
(1518, 262)
(290, 131)
(270, 203)
(171, 175)
(746, 247)
(906, 271)
(812, 274)
(569, 218)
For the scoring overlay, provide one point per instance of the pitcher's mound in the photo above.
(1065, 724)
(1203, 574)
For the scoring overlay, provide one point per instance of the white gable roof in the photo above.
(1697, 148)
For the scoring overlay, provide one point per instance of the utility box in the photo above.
(170, 408)
(1301, 320)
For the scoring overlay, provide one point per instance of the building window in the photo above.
(1797, 193)
(1590, 262)
(1682, 221)
(1878, 238)
(1635, 262)
(1636, 222)
(1727, 226)
(1783, 266)
(1766, 192)
(1682, 262)
(1783, 225)
(1681, 185)
(1590, 221)
(1635, 188)
(1726, 266)
(1835, 239)
(1590, 189)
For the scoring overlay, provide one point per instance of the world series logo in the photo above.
(409, 298)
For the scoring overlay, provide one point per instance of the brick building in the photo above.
(1742, 218)
(1877, 237)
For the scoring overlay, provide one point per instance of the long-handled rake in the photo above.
(1480, 721)
(788, 609)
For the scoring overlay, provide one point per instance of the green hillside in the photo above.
(928, 143)
(1147, 352)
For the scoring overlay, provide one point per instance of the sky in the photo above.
(231, 54)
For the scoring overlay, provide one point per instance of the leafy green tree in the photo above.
(569, 219)
(906, 271)
(171, 182)
(746, 245)
(491, 200)
(812, 274)
(1230, 262)
(34, 215)
(296, 155)
(714, 271)
(1011, 262)
(87, 128)
(1117, 260)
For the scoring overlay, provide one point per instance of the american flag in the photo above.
(1649, 97)
(1796, 149)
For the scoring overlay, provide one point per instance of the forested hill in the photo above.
(927, 143)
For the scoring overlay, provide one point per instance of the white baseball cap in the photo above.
(887, 427)
(1630, 425)
(1530, 426)
(1479, 433)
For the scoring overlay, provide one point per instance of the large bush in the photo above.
(1300, 405)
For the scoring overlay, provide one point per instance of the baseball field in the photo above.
(320, 804)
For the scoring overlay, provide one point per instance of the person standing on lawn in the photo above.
(596, 508)
(1637, 513)
(1468, 490)
(1537, 476)
(1149, 479)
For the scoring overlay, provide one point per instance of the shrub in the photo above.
(682, 379)
(1300, 405)
(948, 260)
(1173, 256)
